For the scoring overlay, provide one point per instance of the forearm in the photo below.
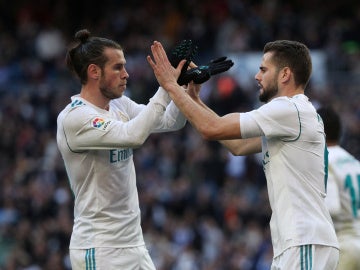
(201, 118)
(238, 147)
(142, 125)
(242, 147)
(195, 97)
(172, 120)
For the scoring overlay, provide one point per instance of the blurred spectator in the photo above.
(201, 208)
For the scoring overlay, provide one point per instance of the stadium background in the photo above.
(202, 208)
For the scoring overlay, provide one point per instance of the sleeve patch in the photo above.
(100, 123)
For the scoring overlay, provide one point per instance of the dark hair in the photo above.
(332, 123)
(294, 55)
(86, 50)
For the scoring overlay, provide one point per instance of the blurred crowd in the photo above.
(202, 208)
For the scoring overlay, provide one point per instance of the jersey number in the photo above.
(355, 198)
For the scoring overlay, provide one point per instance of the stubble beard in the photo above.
(107, 91)
(268, 93)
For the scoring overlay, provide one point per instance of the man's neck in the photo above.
(95, 97)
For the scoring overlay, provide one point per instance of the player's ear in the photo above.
(93, 71)
(285, 74)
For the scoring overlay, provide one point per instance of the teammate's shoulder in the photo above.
(338, 152)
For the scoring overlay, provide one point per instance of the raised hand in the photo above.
(164, 71)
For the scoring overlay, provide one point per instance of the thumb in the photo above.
(192, 65)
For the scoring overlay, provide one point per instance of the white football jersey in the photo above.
(294, 161)
(343, 197)
(96, 146)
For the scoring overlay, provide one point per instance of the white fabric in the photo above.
(96, 146)
(293, 148)
(343, 200)
(111, 258)
(307, 257)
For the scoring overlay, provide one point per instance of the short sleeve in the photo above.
(278, 118)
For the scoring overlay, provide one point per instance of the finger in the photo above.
(163, 53)
(160, 52)
(150, 61)
(155, 52)
(192, 65)
(180, 66)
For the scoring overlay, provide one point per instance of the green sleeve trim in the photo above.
(298, 113)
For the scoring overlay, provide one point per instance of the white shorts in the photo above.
(111, 259)
(307, 257)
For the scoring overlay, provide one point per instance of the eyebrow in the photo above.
(262, 68)
(119, 65)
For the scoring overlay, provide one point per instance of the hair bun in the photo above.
(82, 35)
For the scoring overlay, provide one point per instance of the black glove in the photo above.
(184, 50)
(203, 73)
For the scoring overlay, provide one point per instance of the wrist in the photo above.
(172, 87)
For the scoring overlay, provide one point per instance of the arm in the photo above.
(207, 123)
(242, 147)
(81, 134)
(172, 119)
(238, 147)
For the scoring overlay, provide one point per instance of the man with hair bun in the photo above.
(96, 134)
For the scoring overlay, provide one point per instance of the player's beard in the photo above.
(107, 91)
(269, 92)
